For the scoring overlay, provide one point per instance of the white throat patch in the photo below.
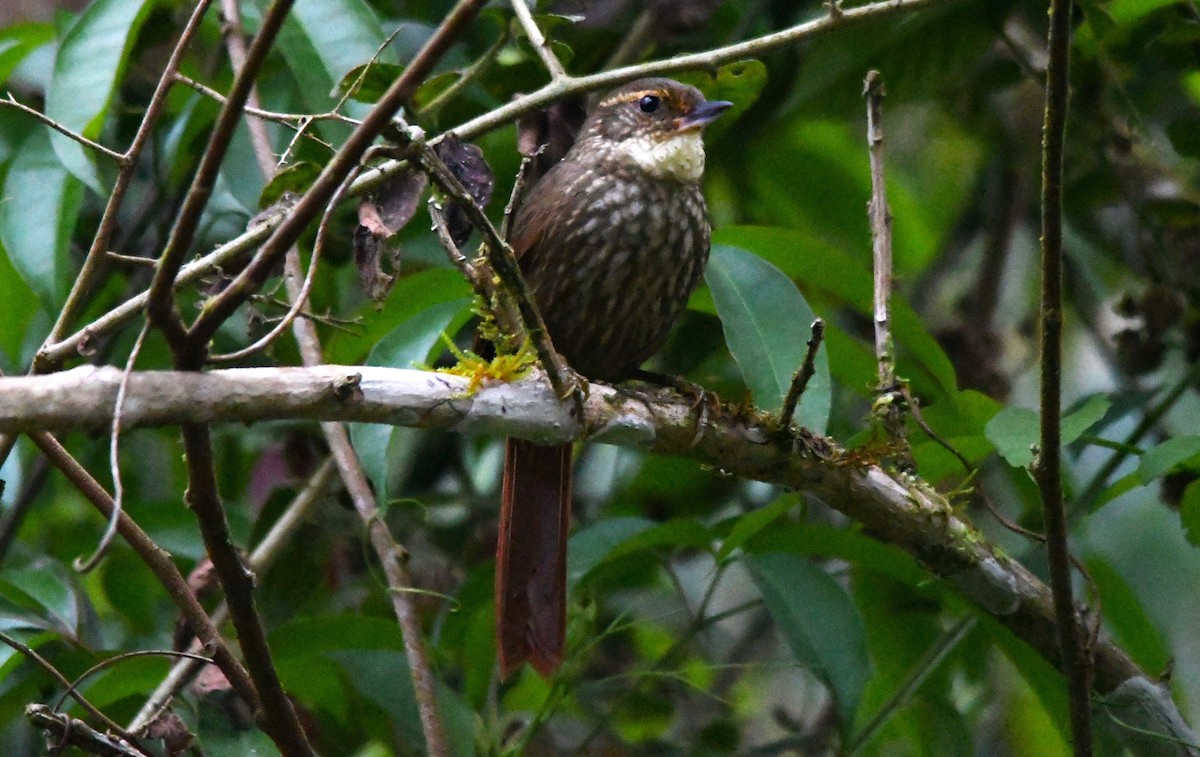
(679, 156)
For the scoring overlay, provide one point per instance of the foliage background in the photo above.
(825, 625)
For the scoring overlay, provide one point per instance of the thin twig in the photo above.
(287, 119)
(465, 78)
(221, 307)
(920, 672)
(161, 307)
(67, 731)
(881, 233)
(12, 102)
(1075, 652)
(278, 717)
(540, 44)
(86, 281)
(158, 560)
(391, 555)
(441, 229)
(114, 459)
(45, 665)
(503, 263)
(803, 374)
(300, 300)
(259, 561)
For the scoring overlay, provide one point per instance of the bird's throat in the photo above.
(679, 156)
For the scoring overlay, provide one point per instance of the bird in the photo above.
(612, 241)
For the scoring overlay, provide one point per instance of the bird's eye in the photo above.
(649, 103)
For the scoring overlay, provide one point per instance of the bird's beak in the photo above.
(704, 114)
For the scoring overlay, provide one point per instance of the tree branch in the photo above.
(1076, 656)
(899, 510)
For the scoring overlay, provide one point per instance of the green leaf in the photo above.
(1083, 416)
(409, 344)
(1014, 431)
(38, 217)
(89, 63)
(1125, 483)
(818, 620)
(409, 297)
(296, 178)
(626, 536)
(1162, 459)
(591, 546)
(368, 82)
(1125, 615)
(740, 83)
(826, 269)
(18, 306)
(1189, 512)
(754, 521)
(766, 323)
(322, 40)
(19, 40)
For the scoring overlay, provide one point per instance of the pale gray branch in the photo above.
(897, 509)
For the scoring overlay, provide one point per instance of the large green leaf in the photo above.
(38, 217)
(89, 63)
(410, 296)
(321, 41)
(766, 323)
(1161, 459)
(18, 306)
(825, 269)
(818, 620)
(409, 344)
(1015, 431)
(19, 40)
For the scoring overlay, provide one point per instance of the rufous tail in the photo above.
(531, 556)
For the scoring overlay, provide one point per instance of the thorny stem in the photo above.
(1075, 653)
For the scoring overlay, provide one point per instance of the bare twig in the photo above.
(503, 263)
(465, 78)
(881, 233)
(160, 306)
(1075, 653)
(218, 309)
(67, 731)
(156, 558)
(114, 460)
(45, 665)
(300, 300)
(12, 102)
(260, 560)
(255, 112)
(93, 263)
(802, 375)
(350, 469)
(540, 44)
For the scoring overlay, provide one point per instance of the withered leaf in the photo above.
(468, 165)
(555, 127)
(380, 216)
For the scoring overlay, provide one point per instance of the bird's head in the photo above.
(654, 124)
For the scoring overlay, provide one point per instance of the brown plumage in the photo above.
(612, 240)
